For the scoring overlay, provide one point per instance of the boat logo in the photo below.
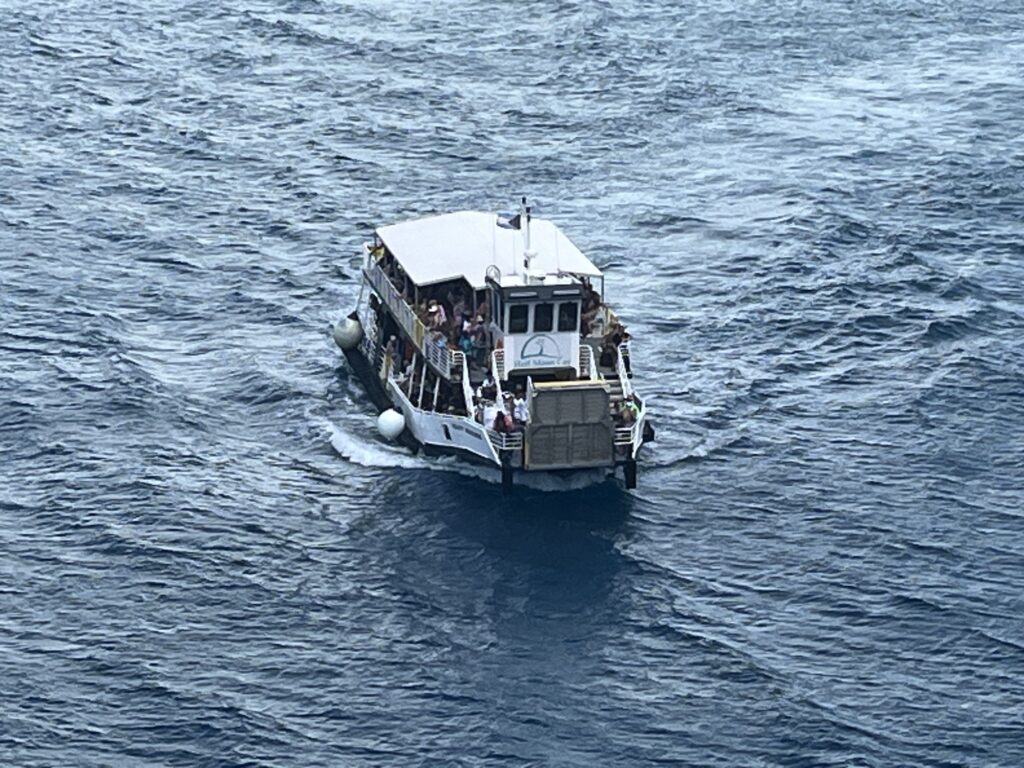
(541, 349)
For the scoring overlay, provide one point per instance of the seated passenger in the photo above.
(629, 411)
(609, 353)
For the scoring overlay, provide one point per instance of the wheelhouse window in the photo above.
(518, 318)
(543, 317)
(567, 312)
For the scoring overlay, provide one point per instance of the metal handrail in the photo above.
(586, 360)
(439, 357)
(396, 303)
(467, 388)
(638, 425)
(620, 369)
(588, 365)
(505, 441)
(498, 365)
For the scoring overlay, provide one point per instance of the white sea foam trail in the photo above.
(371, 451)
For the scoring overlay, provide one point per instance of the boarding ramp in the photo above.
(570, 426)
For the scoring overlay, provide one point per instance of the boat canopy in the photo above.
(465, 243)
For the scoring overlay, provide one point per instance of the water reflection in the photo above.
(522, 592)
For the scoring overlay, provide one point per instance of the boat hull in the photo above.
(444, 434)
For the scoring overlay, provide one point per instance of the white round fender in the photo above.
(390, 424)
(348, 332)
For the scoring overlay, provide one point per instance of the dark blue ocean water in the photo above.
(811, 215)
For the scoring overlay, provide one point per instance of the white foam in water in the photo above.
(370, 451)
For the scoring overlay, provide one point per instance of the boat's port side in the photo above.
(441, 359)
(445, 430)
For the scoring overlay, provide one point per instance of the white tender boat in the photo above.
(486, 336)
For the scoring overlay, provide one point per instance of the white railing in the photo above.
(385, 365)
(631, 436)
(396, 303)
(438, 356)
(620, 369)
(458, 359)
(638, 426)
(467, 388)
(498, 365)
(505, 441)
(586, 361)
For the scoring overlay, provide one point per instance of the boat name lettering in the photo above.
(542, 349)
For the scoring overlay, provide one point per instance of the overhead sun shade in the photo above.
(466, 243)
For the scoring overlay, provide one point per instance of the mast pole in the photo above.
(524, 213)
(524, 217)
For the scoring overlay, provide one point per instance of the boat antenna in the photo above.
(528, 254)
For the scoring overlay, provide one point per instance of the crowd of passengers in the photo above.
(448, 314)
(450, 318)
(503, 411)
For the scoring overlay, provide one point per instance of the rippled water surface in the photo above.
(810, 214)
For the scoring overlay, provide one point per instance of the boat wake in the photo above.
(374, 453)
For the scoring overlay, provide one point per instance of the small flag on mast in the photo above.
(508, 221)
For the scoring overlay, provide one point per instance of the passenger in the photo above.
(630, 412)
(480, 350)
(498, 425)
(522, 411)
(608, 354)
(484, 310)
(458, 305)
(408, 372)
(391, 350)
(591, 308)
(435, 311)
(488, 389)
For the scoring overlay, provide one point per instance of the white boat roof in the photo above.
(465, 243)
